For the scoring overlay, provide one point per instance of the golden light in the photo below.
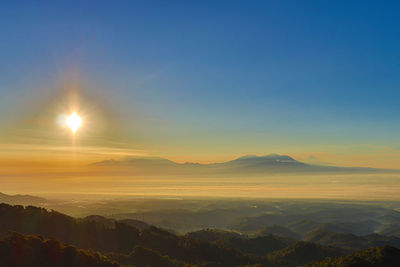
(74, 122)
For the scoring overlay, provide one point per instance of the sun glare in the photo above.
(74, 122)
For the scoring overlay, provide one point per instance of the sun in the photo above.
(74, 122)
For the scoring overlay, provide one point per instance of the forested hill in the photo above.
(151, 246)
(121, 239)
(385, 256)
(33, 251)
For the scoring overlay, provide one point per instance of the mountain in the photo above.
(385, 256)
(268, 163)
(250, 164)
(139, 162)
(22, 199)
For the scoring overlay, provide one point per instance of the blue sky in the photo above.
(200, 78)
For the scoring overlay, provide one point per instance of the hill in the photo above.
(258, 246)
(33, 251)
(120, 239)
(350, 241)
(136, 223)
(302, 253)
(349, 218)
(129, 245)
(385, 256)
(277, 230)
(279, 251)
(212, 235)
(390, 230)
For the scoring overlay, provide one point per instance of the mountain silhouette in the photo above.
(249, 164)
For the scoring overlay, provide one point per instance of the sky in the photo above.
(201, 81)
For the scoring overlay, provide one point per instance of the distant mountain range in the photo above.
(249, 164)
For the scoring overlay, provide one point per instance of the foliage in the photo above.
(120, 239)
(27, 251)
(385, 256)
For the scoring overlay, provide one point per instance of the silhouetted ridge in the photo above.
(33, 251)
(137, 161)
(248, 164)
(121, 239)
(270, 157)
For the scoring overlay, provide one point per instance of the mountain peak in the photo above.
(275, 157)
(279, 157)
(248, 157)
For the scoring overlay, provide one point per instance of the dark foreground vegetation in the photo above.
(386, 256)
(48, 238)
(20, 250)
